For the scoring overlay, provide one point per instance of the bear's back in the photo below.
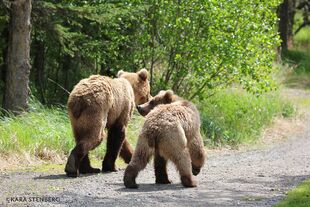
(165, 116)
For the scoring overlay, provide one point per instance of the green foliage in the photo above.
(298, 197)
(193, 47)
(198, 45)
(80, 38)
(233, 116)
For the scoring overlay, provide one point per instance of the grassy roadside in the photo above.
(45, 133)
(230, 117)
(234, 116)
(298, 197)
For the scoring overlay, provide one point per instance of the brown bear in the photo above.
(171, 132)
(99, 102)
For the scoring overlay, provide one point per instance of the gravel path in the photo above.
(256, 177)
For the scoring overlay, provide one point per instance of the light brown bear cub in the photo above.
(100, 102)
(171, 132)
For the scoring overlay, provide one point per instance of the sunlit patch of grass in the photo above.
(43, 131)
(302, 38)
(299, 76)
(298, 197)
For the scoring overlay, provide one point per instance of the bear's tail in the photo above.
(76, 107)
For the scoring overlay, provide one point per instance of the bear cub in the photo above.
(171, 132)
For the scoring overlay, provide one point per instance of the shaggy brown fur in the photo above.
(100, 102)
(171, 132)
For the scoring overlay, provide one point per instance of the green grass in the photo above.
(299, 76)
(298, 197)
(234, 116)
(300, 59)
(41, 128)
(44, 132)
(302, 38)
(229, 117)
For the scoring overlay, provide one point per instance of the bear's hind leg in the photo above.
(116, 136)
(183, 163)
(160, 166)
(75, 158)
(85, 166)
(87, 139)
(88, 133)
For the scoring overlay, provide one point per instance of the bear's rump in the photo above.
(171, 140)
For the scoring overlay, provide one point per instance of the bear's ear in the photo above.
(119, 73)
(143, 74)
(168, 96)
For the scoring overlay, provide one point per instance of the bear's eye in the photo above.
(152, 102)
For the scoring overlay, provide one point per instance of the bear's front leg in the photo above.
(197, 153)
(130, 175)
(116, 136)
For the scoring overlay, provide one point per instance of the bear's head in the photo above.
(163, 97)
(140, 84)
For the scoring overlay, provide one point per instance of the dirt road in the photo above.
(255, 177)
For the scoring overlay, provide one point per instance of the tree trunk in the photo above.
(286, 12)
(66, 66)
(38, 66)
(18, 58)
(5, 34)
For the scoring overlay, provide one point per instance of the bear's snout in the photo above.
(141, 110)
